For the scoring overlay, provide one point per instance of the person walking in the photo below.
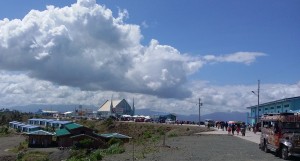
(238, 128)
(228, 128)
(232, 129)
(226, 125)
(243, 129)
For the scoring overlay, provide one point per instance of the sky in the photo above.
(163, 54)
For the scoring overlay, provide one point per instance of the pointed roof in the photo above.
(106, 107)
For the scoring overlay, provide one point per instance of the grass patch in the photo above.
(172, 135)
(33, 155)
(23, 146)
(113, 149)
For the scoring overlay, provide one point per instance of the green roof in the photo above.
(61, 132)
(73, 126)
(115, 135)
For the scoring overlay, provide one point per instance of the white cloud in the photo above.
(239, 57)
(144, 24)
(19, 89)
(83, 47)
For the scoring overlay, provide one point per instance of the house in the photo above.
(48, 123)
(46, 112)
(115, 108)
(73, 133)
(40, 138)
(21, 127)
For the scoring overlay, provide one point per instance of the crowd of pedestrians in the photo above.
(232, 127)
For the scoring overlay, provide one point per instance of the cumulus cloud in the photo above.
(238, 57)
(84, 46)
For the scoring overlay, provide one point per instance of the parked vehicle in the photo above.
(280, 133)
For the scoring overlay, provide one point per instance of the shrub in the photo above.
(115, 141)
(114, 149)
(108, 122)
(86, 143)
(172, 135)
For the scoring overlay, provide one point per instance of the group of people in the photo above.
(238, 128)
(232, 127)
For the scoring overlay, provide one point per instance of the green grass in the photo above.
(33, 155)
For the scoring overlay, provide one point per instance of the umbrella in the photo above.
(231, 122)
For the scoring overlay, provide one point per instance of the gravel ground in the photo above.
(204, 148)
(9, 142)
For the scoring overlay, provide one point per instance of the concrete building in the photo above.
(115, 108)
(283, 105)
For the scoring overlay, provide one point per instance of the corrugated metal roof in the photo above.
(40, 132)
(61, 132)
(115, 135)
(75, 136)
(106, 105)
(72, 126)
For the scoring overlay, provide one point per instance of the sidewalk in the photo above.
(250, 136)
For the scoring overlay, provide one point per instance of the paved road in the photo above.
(250, 136)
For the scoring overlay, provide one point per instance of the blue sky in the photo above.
(195, 29)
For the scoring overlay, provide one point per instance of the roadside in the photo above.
(250, 136)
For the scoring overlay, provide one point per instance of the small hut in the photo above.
(40, 138)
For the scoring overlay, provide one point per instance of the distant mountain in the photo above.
(50, 107)
(148, 112)
(225, 116)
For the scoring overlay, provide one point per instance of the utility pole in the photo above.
(258, 88)
(200, 104)
(257, 107)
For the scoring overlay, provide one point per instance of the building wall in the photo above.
(279, 106)
(40, 141)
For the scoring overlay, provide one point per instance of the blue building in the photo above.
(48, 122)
(283, 105)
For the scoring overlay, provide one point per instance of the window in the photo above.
(278, 106)
(266, 109)
(272, 108)
(287, 105)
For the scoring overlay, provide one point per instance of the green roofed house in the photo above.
(62, 132)
(73, 133)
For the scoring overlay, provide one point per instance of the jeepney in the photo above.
(280, 133)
